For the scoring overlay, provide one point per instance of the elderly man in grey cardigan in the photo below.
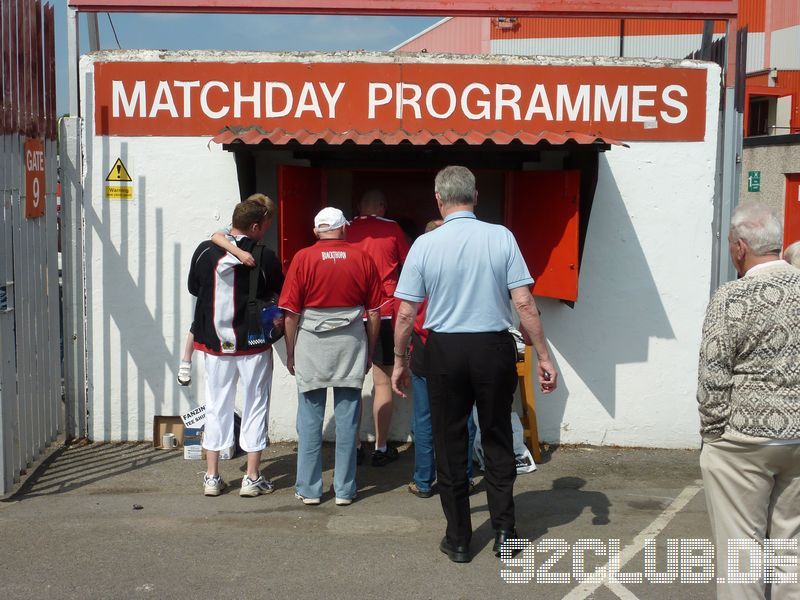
(749, 400)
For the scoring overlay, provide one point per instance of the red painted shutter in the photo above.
(301, 193)
(542, 212)
(791, 216)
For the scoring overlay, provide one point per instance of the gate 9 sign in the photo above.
(34, 179)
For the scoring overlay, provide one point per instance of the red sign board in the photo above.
(187, 99)
(34, 179)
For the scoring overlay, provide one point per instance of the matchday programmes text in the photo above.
(623, 102)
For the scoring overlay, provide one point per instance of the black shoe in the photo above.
(500, 538)
(458, 554)
(379, 459)
(359, 455)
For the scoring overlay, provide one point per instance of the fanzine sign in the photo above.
(195, 418)
(182, 99)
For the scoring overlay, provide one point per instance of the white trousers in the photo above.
(222, 375)
(753, 493)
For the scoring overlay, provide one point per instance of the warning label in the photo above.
(119, 192)
(118, 172)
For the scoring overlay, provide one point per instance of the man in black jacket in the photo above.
(221, 330)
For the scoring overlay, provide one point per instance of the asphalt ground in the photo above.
(128, 521)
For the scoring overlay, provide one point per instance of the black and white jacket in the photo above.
(221, 284)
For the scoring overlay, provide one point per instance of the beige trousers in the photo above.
(753, 493)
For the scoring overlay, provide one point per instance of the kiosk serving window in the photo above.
(541, 207)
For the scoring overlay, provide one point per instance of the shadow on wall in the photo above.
(126, 312)
(618, 311)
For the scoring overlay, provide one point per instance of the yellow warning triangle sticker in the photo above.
(118, 172)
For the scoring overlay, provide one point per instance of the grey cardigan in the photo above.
(749, 375)
(331, 348)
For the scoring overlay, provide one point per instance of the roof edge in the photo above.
(235, 56)
(420, 34)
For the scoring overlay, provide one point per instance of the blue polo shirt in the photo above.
(465, 268)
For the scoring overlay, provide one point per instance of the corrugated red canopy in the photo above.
(279, 137)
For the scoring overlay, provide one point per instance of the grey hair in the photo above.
(792, 254)
(759, 226)
(455, 185)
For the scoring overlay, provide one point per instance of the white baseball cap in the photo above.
(329, 218)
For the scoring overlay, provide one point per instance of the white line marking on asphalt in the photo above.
(621, 591)
(585, 589)
(670, 498)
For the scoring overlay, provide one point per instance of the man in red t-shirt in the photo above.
(328, 288)
(386, 243)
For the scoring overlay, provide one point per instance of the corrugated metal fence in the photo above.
(30, 360)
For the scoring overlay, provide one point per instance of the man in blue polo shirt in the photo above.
(467, 269)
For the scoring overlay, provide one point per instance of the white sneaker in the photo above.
(344, 501)
(212, 486)
(307, 501)
(252, 488)
(185, 373)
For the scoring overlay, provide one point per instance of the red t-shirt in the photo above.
(331, 274)
(384, 241)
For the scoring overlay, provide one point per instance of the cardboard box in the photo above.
(164, 424)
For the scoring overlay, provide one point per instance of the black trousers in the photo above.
(466, 369)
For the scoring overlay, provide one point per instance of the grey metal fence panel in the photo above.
(30, 356)
(21, 308)
(9, 421)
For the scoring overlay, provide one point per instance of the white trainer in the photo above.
(252, 488)
(307, 501)
(344, 501)
(212, 486)
(185, 373)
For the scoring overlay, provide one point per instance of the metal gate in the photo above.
(31, 412)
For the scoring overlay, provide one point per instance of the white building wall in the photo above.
(756, 45)
(785, 49)
(774, 163)
(635, 46)
(577, 46)
(138, 255)
(627, 353)
(664, 46)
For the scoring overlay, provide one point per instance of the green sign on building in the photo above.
(754, 181)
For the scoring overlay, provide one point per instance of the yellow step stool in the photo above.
(527, 379)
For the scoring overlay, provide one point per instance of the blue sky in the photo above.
(235, 32)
